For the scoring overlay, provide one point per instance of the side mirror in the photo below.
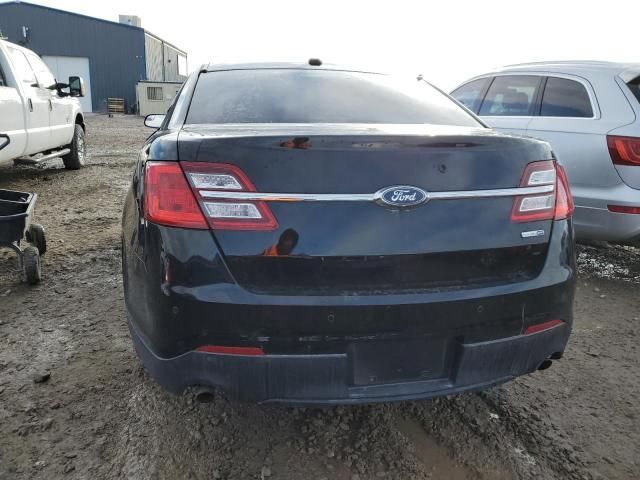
(155, 120)
(76, 87)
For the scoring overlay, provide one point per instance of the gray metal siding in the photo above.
(116, 52)
(171, 65)
(162, 60)
(153, 48)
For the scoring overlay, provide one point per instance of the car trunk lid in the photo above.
(343, 238)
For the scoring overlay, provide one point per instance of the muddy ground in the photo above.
(99, 415)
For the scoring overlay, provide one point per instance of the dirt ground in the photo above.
(99, 415)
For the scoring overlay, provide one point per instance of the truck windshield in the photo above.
(319, 96)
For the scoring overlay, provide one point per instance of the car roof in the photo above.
(626, 70)
(218, 67)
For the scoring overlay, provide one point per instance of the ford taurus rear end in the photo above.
(303, 234)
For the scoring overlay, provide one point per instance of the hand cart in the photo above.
(16, 210)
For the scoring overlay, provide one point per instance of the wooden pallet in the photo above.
(115, 105)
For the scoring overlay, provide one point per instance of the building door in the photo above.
(65, 67)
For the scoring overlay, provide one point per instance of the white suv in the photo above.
(590, 113)
(37, 114)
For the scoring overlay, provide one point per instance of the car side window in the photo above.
(23, 70)
(565, 98)
(3, 81)
(43, 74)
(511, 96)
(470, 94)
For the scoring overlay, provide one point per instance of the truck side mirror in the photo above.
(76, 87)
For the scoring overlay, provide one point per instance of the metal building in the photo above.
(111, 57)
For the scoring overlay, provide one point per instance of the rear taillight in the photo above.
(168, 200)
(564, 199)
(227, 214)
(624, 150)
(557, 204)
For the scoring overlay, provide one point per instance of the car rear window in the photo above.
(319, 96)
(565, 98)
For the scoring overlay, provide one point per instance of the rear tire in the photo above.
(31, 265)
(36, 236)
(75, 159)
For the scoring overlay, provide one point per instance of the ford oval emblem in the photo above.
(401, 196)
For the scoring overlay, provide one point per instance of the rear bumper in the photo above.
(338, 349)
(602, 224)
(329, 378)
(593, 220)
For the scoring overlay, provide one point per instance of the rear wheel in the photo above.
(36, 236)
(31, 265)
(75, 159)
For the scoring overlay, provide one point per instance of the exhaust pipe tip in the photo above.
(204, 395)
(544, 365)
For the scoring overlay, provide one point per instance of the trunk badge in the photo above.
(401, 196)
(532, 233)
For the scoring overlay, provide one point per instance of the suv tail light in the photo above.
(227, 214)
(556, 205)
(624, 150)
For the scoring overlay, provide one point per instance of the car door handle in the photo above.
(30, 105)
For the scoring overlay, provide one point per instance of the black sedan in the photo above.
(313, 235)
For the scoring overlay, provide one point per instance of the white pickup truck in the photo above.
(40, 119)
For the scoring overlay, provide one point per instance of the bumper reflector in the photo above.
(230, 350)
(624, 209)
(540, 327)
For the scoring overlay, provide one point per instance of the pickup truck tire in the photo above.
(31, 265)
(76, 158)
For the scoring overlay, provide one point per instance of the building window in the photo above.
(182, 65)
(154, 93)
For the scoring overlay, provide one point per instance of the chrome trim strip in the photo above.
(371, 197)
(288, 197)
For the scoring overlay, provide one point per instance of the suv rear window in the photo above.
(634, 86)
(319, 96)
(565, 98)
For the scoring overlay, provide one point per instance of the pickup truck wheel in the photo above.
(31, 264)
(76, 158)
